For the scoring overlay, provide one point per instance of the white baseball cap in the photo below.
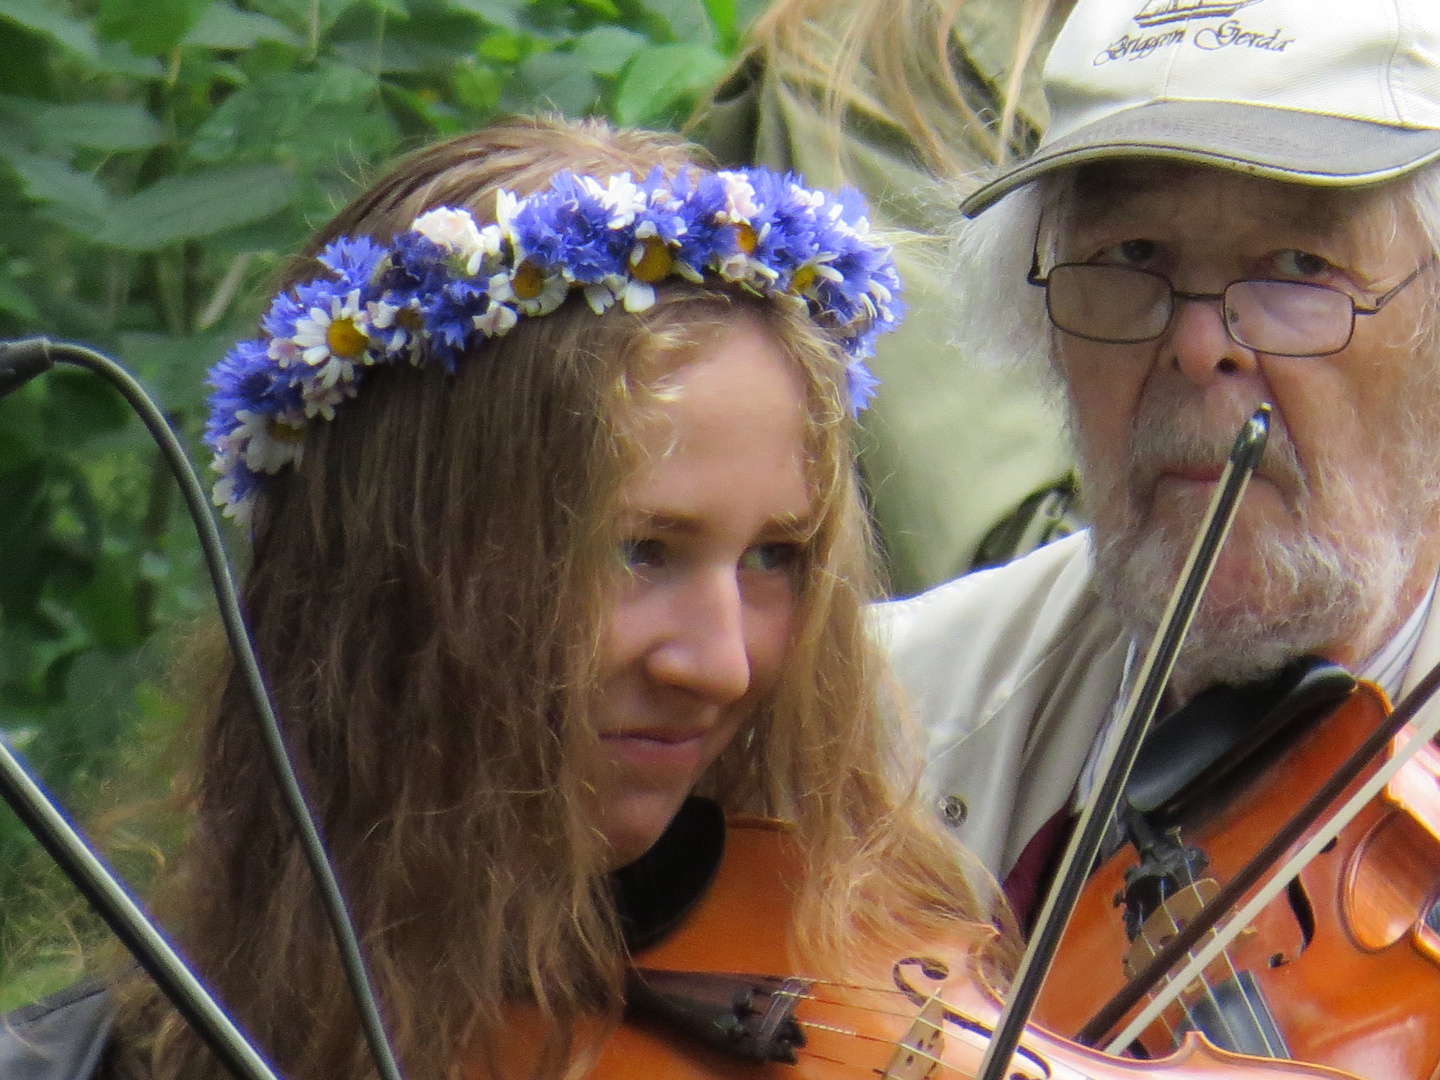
(1326, 92)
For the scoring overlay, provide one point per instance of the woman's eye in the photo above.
(1127, 253)
(1301, 264)
(639, 553)
(785, 555)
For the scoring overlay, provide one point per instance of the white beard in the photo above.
(1332, 573)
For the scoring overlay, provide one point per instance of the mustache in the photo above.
(1166, 443)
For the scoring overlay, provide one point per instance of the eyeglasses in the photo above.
(1124, 305)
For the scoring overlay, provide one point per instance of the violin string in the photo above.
(868, 988)
(976, 1043)
(1185, 1006)
(813, 1056)
(1223, 1019)
(869, 1010)
(976, 1037)
(1220, 1014)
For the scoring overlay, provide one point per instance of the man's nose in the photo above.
(705, 651)
(1200, 347)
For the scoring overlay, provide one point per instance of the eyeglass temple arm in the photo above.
(1385, 298)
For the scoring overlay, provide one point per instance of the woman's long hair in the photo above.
(426, 593)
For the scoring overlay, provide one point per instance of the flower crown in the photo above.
(446, 284)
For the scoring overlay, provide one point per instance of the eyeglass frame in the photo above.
(1033, 277)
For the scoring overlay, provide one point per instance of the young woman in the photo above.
(545, 452)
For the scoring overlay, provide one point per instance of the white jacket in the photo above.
(1012, 672)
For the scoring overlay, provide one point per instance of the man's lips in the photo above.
(1196, 474)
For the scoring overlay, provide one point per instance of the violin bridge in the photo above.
(942, 1044)
(919, 1053)
(1172, 916)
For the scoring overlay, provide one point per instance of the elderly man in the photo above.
(1236, 203)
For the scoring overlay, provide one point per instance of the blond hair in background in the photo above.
(964, 454)
(905, 64)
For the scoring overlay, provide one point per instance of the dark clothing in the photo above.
(64, 1037)
(1030, 878)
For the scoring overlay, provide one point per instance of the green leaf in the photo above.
(722, 18)
(659, 76)
(606, 9)
(117, 59)
(198, 204)
(502, 13)
(17, 123)
(297, 14)
(106, 605)
(554, 80)
(276, 110)
(51, 180)
(83, 405)
(688, 19)
(503, 47)
(606, 49)
(173, 367)
(13, 300)
(387, 55)
(477, 88)
(101, 125)
(225, 27)
(40, 16)
(151, 28)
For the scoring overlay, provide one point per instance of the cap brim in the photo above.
(1281, 144)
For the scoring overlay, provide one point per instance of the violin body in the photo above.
(922, 1014)
(1344, 961)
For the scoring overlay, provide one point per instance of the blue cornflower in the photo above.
(447, 283)
(353, 260)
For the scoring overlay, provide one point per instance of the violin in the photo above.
(923, 1015)
(1342, 970)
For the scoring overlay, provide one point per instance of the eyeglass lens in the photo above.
(1121, 305)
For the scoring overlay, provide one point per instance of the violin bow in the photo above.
(1134, 722)
(1421, 734)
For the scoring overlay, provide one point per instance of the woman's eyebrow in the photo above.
(782, 525)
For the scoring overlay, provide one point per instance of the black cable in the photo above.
(98, 884)
(25, 358)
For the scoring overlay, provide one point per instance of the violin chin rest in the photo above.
(751, 1017)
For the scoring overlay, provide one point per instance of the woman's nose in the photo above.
(705, 650)
(1200, 346)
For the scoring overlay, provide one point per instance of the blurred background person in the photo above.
(965, 457)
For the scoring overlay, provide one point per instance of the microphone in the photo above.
(21, 361)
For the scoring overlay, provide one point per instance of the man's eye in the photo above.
(1301, 264)
(643, 553)
(1127, 253)
(785, 555)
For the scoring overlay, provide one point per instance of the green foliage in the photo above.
(157, 160)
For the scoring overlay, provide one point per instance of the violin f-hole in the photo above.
(936, 971)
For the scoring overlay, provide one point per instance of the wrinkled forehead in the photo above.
(1157, 192)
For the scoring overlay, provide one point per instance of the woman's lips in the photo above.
(656, 748)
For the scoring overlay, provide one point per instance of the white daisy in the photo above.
(339, 333)
(497, 320)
